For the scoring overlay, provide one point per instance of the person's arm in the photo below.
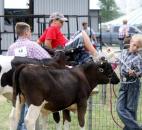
(48, 43)
(41, 39)
(38, 41)
(88, 45)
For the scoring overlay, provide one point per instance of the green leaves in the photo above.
(109, 10)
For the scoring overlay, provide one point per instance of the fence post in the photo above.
(103, 94)
(0, 38)
(90, 113)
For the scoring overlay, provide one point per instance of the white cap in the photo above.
(59, 16)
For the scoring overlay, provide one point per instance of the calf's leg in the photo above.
(57, 120)
(15, 113)
(81, 110)
(44, 118)
(66, 119)
(32, 116)
(12, 119)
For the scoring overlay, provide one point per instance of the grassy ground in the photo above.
(5, 108)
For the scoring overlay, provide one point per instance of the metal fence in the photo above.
(38, 23)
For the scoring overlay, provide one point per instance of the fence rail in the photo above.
(38, 23)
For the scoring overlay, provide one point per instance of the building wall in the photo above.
(1, 13)
(67, 7)
(94, 19)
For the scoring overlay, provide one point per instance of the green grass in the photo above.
(5, 108)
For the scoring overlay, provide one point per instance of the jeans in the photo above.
(21, 124)
(127, 104)
(121, 44)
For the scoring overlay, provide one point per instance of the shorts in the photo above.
(76, 42)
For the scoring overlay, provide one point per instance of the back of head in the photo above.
(21, 27)
(84, 23)
(125, 21)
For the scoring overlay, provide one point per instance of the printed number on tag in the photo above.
(22, 51)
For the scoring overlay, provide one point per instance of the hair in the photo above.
(125, 21)
(84, 23)
(21, 27)
(139, 38)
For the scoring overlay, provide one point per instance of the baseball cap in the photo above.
(58, 15)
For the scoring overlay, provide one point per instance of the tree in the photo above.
(109, 10)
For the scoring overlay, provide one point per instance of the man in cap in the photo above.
(52, 37)
(91, 33)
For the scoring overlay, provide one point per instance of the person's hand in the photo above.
(110, 53)
(131, 72)
(109, 50)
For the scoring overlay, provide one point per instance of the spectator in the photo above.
(130, 72)
(52, 37)
(123, 33)
(126, 42)
(90, 33)
(25, 48)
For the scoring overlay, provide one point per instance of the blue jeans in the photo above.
(127, 105)
(21, 124)
(121, 44)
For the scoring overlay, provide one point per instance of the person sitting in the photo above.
(52, 37)
(91, 33)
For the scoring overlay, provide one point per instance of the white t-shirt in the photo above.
(123, 31)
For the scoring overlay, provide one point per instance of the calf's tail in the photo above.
(16, 86)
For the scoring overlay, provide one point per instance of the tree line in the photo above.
(109, 10)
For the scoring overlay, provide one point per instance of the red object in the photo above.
(114, 66)
(94, 46)
(53, 33)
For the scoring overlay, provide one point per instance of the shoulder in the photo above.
(139, 56)
(53, 28)
(12, 46)
(124, 52)
(34, 44)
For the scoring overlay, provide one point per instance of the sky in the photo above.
(128, 5)
(16, 3)
(125, 6)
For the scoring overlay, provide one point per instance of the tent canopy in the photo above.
(134, 18)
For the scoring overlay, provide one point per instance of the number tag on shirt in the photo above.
(22, 51)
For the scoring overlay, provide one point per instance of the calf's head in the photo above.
(100, 72)
(106, 72)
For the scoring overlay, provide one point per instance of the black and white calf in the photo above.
(57, 89)
(8, 65)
